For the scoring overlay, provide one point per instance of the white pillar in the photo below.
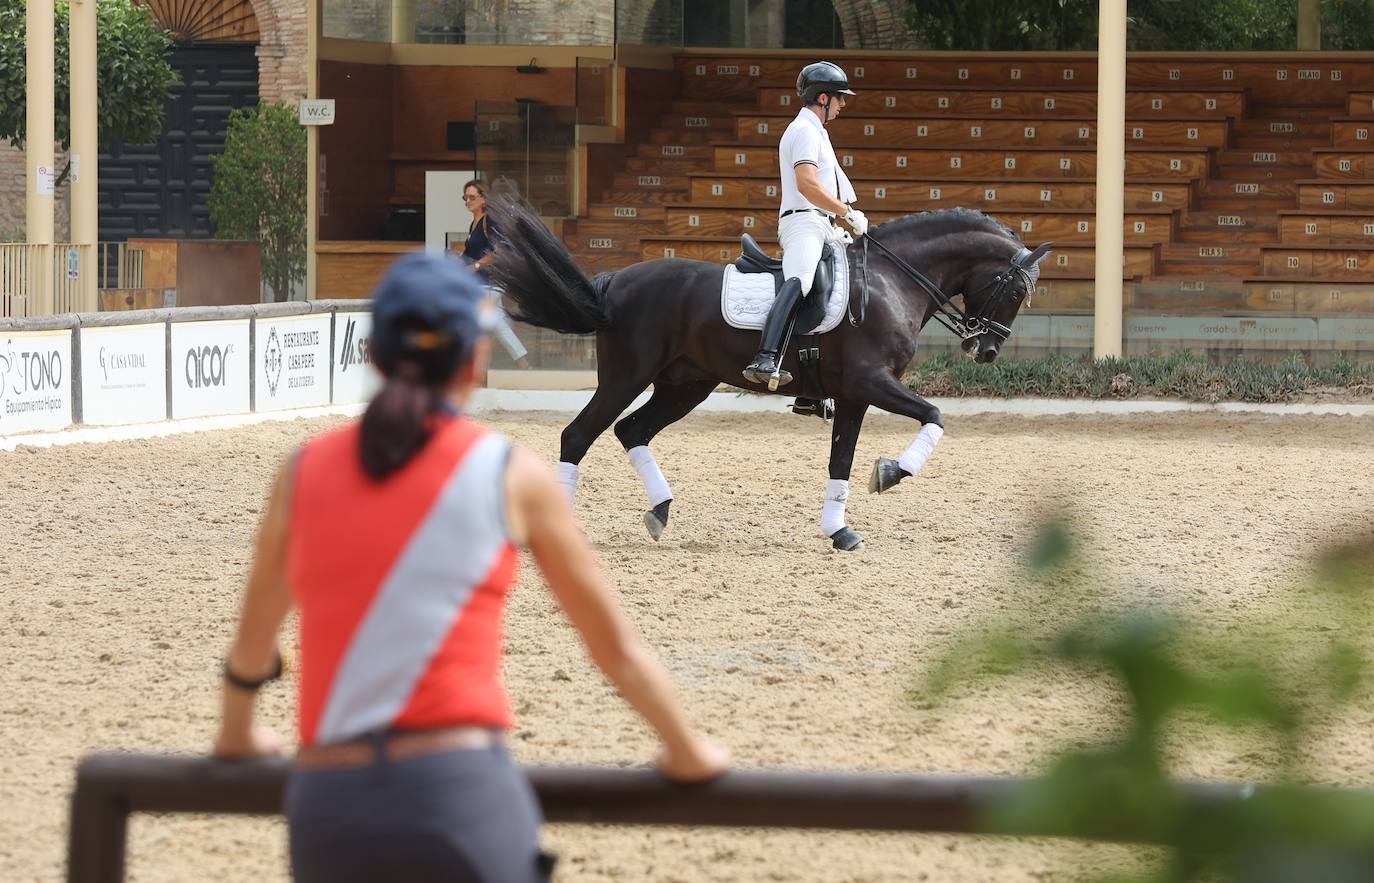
(39, 61)
(314, 28)
(85, 146)
(1309, 25)
(1111, 176)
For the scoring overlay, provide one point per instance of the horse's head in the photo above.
(994, 290)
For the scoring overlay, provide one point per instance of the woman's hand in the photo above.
(257, 742)
(700, 760)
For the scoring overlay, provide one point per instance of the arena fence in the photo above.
(142, 366)
(109, 787)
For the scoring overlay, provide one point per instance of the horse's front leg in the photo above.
(849, 419)
(894, 397)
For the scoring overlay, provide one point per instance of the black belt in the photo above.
(793, 211)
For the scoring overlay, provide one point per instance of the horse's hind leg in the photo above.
(669, 404)
(608, 402)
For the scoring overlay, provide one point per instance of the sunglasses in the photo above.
(467, 198)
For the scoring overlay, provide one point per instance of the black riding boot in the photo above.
(774, 329)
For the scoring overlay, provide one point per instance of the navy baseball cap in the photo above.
(429, 309)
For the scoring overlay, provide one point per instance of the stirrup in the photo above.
(822, 408)
(762, 368)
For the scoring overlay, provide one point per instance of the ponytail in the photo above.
(396, 424)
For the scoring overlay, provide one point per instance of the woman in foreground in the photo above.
(396, 538)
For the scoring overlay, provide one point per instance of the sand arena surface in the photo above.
(122, 566)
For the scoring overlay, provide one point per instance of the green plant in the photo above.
(1280, 678)
(258, 190)
(1167, 25)
(132, 70)
(1181, 375)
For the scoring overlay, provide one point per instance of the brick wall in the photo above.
(14, 192)
(282, 49)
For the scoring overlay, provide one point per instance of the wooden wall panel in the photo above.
(356, 150)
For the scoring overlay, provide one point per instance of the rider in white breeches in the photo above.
(814, 192)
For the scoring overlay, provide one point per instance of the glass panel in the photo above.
(368, 20)
(594, 79)
(469, 22)
(525, 149)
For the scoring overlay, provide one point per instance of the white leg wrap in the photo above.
(914, 457)
(655, 485)
(567, 476)
(832, 511)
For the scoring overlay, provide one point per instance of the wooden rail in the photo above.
(110, 787)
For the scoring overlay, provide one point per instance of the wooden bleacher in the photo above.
(1249, 182)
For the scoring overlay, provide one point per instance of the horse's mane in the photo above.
(942, 222)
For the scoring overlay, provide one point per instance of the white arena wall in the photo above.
(146, 366)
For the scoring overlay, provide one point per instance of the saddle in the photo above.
(752, 259)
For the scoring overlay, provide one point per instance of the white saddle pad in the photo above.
(745, 298)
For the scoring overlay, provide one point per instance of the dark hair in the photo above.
(397, 423)
(477, 184)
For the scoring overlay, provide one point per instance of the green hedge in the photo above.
(1186, 375)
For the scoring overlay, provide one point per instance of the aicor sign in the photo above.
(35, 381)
(210, 368)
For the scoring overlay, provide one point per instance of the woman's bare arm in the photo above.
(542, 518)
(253, 654)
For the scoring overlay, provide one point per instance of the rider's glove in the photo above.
(856, 220)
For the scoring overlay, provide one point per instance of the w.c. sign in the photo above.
(316, 111)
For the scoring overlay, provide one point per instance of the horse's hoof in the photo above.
(656, 519)
(885, 475)
(847, 539)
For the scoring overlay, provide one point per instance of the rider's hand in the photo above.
(701, 760)
(856, 220)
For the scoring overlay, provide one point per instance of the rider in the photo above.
(814, 191)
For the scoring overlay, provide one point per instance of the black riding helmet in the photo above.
(821, 76)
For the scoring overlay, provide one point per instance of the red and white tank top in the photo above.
(401, 585)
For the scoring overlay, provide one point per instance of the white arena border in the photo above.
(491, 401)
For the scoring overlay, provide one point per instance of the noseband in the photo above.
(962, 325)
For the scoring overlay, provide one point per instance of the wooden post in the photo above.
(1111, 176)
(39, 174)
(85, 152)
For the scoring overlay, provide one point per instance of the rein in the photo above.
(946, 313)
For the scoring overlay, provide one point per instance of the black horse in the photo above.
(659, 323)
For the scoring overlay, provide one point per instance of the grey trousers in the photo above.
(458, 816)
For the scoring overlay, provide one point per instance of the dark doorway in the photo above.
(161, 189)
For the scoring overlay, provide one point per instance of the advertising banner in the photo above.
(292, 362)
(210, 369)
(124, 374)
(355, 380)
(35, 381)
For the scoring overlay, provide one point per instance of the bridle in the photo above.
(1024, 266)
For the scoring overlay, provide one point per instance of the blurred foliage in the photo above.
(1182, 375)
(1152, 25)
(1282, 676)
(258, 190)
(132, 70)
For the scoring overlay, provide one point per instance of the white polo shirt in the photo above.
(807, 141)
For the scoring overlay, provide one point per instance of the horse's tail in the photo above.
(543, 285)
